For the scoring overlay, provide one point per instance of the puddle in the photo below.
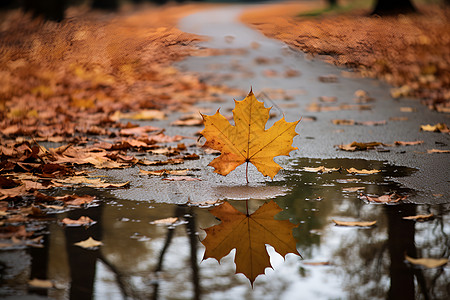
(141, 260)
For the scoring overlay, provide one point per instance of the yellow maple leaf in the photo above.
(248, 141)
(249, 234)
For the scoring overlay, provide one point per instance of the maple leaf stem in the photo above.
(246, 172)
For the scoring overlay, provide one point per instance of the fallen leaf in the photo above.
(363, 171)
(355, 223)
(166, 221)
(400, 143)
(356, 146)
(39, 283)
(82, 221)
(440, 127)
(320, 169)
(420, 218)
(249, 234)
(182, 178)
(164, 172)
(427, 262)
(392, 198)
(407, 109)
(438, 151)
(89, 243)
(343, 122)
(331, 78)
(248, 141)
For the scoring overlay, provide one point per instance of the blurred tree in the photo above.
(393, 7)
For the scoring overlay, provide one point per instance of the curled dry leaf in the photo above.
(401, 143)
(90, 243)
(164, 172)
(355, 223)
(363, 171)
(420, 218)
(356, 146)
(427, 262)
(438, 151)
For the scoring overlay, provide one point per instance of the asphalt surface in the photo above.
(252, 60)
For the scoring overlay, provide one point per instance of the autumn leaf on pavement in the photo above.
(249, 234)
(248, 141)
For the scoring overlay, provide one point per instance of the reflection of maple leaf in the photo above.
(249, 234)
(248, 141)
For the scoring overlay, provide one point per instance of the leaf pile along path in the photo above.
(65, 89)
(411, 52)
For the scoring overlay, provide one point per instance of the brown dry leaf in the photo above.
(74, 200)
(392, 198)
(90, 243)
(363, 171)
(355, 223)
(343, 122)
(182, 178)
(40, 283)
(82, 221)
(401, 143)
(438, 151)
(249, 234)
(248, 141)
(440, 127)
(137, 131)
(356, 146)
(165, 172)
(420, 218)
(399, 118)
(191, 120)
(166, 221)
(407, 109)
(320, 169)
(331, 78)
(427, 262)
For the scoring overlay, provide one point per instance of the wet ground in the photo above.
(142, 260)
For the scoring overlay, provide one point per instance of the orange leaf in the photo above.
(249, 234)
(248, 141)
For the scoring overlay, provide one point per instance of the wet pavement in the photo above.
(140, 259)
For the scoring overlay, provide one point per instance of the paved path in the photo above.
(263, 63)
